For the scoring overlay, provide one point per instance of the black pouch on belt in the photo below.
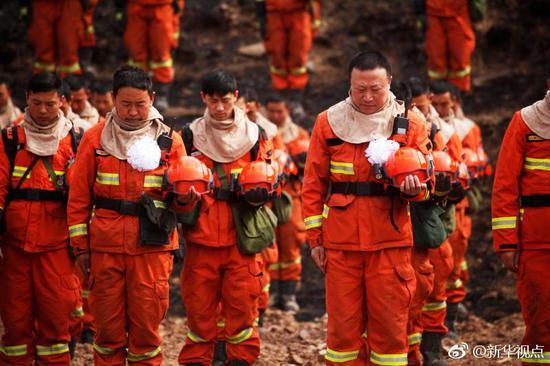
(156, 225)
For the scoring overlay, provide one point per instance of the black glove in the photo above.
(442, 185)
(261, 12)
(457, 193)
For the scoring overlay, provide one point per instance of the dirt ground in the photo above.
(508, 73)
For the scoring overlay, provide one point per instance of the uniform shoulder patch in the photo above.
(534, 138)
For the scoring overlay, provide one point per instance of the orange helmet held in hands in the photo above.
(471, 159)
(285, 164)
(463, 175)
(407, 161)
(443, 163)
(258, 180)
(298, 152)
(186, 173)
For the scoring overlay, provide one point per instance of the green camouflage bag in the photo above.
(428, 229)
(282, 207)
(255, 227)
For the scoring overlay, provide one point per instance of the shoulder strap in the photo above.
(187, 137)
(76, 137)
(433, 131)
(54, 177)
(262, 136)
(218, 169)
(10, 138)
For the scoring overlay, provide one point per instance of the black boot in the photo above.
(274, 294)
(220, 354)
(162, 91)
(288, 296)
(261, 318)
(431, 349)
(450, 319)
(86, 54)
(72, 347)
(237, 363)
(87, 336)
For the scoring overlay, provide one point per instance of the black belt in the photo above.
(358, 188)
(129, 208)
(535, 200)
(225, 195)
(37, 195)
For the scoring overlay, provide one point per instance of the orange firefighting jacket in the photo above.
(215, 227)
(446, 8)
(102, 175)
(345, 221)
(523, 171)
(34, 225)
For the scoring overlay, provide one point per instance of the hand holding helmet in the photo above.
(188, 179)
(258, 180)
(408, 170)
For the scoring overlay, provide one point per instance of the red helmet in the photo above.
(463, 175)
(471, 159)
(186, 173)
(443, 163)
(485, 168)
(407, 161)
(258, 180)
(285, 165)
(298, 152)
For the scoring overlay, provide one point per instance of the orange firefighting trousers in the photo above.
(450, 42)
(456, 290)
(129, 298)
(87, 319)
(40, 297)
(368, 297)
(290, 238)
(149, 39)
(534, 296)
(55, 34)
(288, 43)
(212, 275)
(89, 40)
(435, 308)
(424, 273)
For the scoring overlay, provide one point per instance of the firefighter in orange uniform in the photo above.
(286, 273)
(149, 38)
(287, 27)
(88, 42)
(40, 291)
(450, 42)
(445, 139)
(128, 240)
(56, 34)
(359, 232)
(9, 113)
(520, 214)
(470, 136)
(215, 270)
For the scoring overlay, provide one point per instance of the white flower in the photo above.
(144, 154)
(379, 150)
